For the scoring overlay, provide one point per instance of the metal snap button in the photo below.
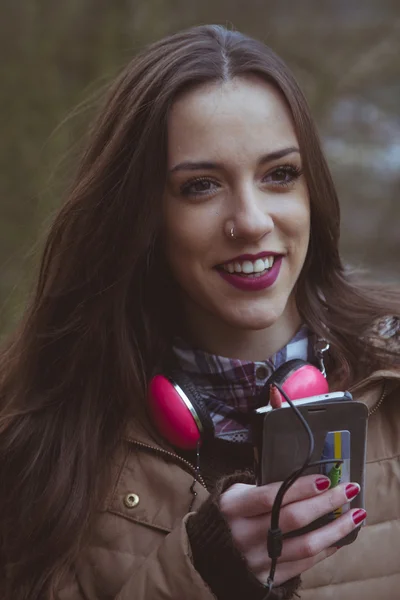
(131, 500)
(262, 372)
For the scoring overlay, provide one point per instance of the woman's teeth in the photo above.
(248, 267)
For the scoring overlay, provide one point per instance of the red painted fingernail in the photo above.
(359, 516)
(351, 491)
(322, 483)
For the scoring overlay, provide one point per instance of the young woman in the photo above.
(201, 234)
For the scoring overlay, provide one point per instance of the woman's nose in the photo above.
(252, 216)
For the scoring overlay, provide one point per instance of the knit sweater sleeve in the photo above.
(216, 557)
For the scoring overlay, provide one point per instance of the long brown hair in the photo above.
(77, 367)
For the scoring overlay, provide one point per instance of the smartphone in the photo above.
(257, 420)
(340, 432)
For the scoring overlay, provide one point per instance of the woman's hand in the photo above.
(247, 509)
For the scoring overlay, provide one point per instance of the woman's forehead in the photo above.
(244, 115)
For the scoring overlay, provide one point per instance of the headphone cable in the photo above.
(275, 536)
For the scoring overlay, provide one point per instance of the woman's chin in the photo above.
(253, 322)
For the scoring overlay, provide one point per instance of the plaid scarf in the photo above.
(229, 387)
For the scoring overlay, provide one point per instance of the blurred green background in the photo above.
(57, 54)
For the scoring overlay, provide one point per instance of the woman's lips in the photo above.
(249, 283)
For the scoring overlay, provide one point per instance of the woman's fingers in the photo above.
(250, 532)
(302, 513)
(286, 571)
(243, 500)
(247, 509)
(303, 552)
(311, 544)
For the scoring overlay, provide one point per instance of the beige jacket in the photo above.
(140, 550)
(370, 568)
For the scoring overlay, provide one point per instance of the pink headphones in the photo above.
(179, 413)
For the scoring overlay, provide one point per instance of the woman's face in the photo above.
(234, 162)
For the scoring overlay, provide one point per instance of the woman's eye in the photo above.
(283, 176)
(198, 187)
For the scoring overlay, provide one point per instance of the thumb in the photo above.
(275, 397)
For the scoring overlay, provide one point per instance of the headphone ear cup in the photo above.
(178, 411)
(299, 379)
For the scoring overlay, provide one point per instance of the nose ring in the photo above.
(232, 233)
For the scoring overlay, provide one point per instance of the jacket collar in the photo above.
(373, 388)
(138, 433)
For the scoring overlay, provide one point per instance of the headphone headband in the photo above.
(188, 404)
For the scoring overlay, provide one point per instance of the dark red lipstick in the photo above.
(251, 283)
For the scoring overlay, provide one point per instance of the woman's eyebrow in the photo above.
(205, 164)
(278, 154)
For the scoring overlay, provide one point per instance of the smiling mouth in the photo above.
(248, 268)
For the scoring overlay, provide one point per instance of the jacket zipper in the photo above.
(175, 457)
(381, 399)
